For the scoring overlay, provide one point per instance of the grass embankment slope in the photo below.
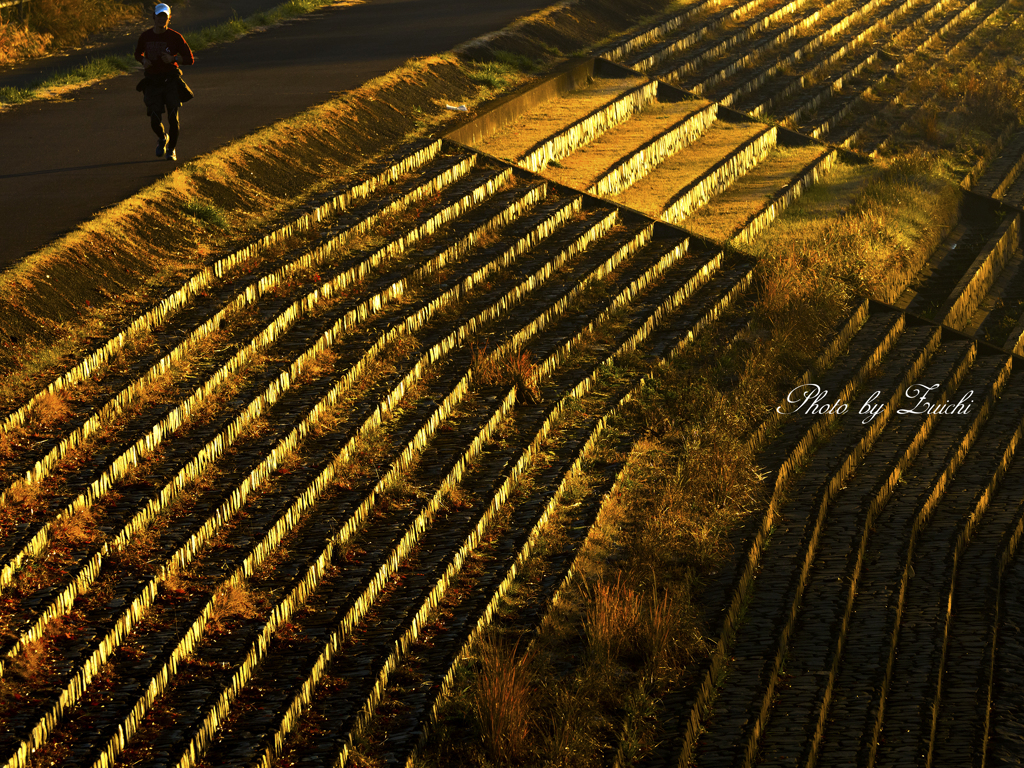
(630, 629)
(631, 633)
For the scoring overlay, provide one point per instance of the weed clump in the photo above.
(233, 601)
(503, 700)
(207, 213)
(51, 409)
(18, 42)
(514, 368)
(815, 261)
(501, 69)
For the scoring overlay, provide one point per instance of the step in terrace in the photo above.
(271, 484)
(853, 614)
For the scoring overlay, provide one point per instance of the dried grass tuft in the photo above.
(520, 370)
(232, 601)
(25, 495)
(31, 661)
(18, 42)
(50, 410)
(502, 698)
(612, 621)
(77, 528)
(486, 368)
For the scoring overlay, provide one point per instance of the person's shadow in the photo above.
(79, 168)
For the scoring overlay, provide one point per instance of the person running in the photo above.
(161, 50)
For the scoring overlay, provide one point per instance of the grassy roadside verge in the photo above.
(106, 67)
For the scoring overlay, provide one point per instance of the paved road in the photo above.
(189, 15)
(60, 163)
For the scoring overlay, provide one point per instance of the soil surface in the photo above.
(61, 162)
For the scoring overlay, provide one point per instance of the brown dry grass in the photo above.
(486, 367)
(70, 23)
(77, 528)
(612, 620)
(232, 601)
(583, 168)
(25, 495)
(503, 699)
(19, 42)
(137, 556)
(11, 442)
(174, 581)
(513, 140)
(320, 365)
(30, 661)
(520, 370)
(654, 192)
(723, 216)
(513, 368)
(50, 410)
(821, 255)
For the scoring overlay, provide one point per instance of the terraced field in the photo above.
(232, 521)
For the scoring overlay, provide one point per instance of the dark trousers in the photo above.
(172, 127)
(162, 94)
